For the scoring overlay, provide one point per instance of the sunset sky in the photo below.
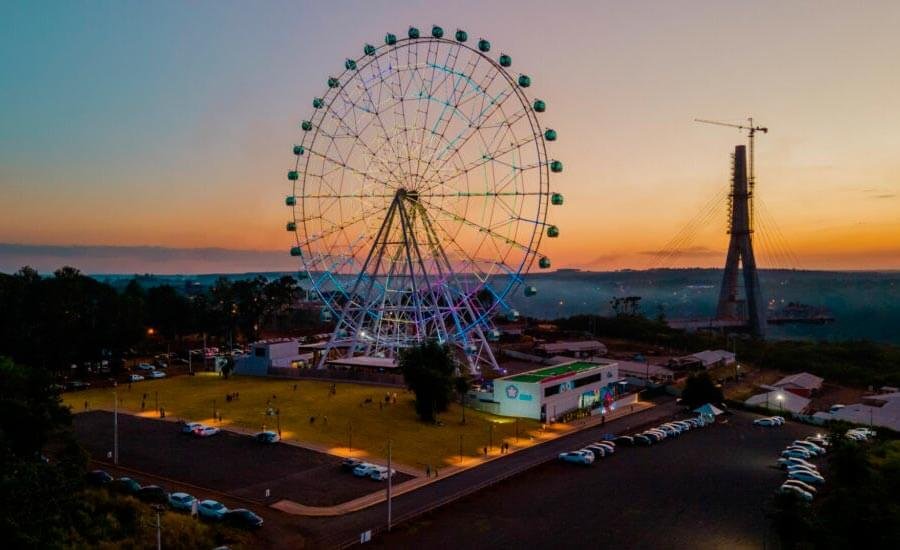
(170, 124)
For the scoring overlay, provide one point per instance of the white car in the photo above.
(135, 377)
(785, 462)
(211, 509)
(794, 453)
(146, 367)
(807, 477)
(156, 374)
(804, 495)
(768, 422)
(660, 433)
(381, 473)
(684, 425)
(578, 457)
(181, 501)
(610, 449)
(597, 450)
(805, 486)
(779, 420)
(811, 446)
(206, 431)
(189, 427)
(365, 469)
(819, 440)
(799, 469)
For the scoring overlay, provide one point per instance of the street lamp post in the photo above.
(158, 508)
(389, 480)
(491, 437)
(460, 448)
(115, 424)
(278, 421)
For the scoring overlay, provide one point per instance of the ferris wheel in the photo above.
(419, 195)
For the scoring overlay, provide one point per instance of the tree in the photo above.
(428, 370)
(700, 389)
(39, 498)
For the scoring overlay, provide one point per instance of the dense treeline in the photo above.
(69, 318)
(859, 363)
(857, 508)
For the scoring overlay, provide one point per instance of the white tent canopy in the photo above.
(708, 409)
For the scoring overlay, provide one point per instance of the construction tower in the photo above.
(732, 306)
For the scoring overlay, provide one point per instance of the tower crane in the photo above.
(751, 132)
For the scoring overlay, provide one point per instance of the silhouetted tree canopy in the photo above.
(428, 370)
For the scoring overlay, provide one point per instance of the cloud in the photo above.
(884, 196)
(142, 259)
(693, 251)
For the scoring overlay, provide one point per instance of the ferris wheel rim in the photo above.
(531, 248)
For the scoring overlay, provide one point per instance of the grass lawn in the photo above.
(349, 418)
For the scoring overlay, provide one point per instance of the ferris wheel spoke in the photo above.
(486, 158)
(365, 175)
(477, 227)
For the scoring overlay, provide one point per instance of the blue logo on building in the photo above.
(512, 391)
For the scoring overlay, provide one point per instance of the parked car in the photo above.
(779, 420)
(156, 374)
(181, 501)
(652, 436)
(206, 431)
(642, 440)
(135, 377)
(98, 477)
(242, 518)
(807, 477)
(364, 469)
(810, 445)
(211, 509)
(805, 486)
(189, 427)
(578, 457)
(161, 365)
(767, 422)
(659, 433)
(145, 367)
(794, 453)
(125, 485)
(75, 385)
(609, 448)
(153, 493)
(381, 473)
(785, 462)
(597, 450)
(791, 489)
(625, 440)
(350, 463)
(798, 469)
(267, 437)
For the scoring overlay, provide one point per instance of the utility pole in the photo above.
(390, 481)
(116, 424)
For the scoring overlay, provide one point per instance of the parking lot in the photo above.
(704, 489)
(228, 463)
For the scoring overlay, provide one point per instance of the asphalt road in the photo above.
(704, 489)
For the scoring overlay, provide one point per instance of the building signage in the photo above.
(512, 391)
